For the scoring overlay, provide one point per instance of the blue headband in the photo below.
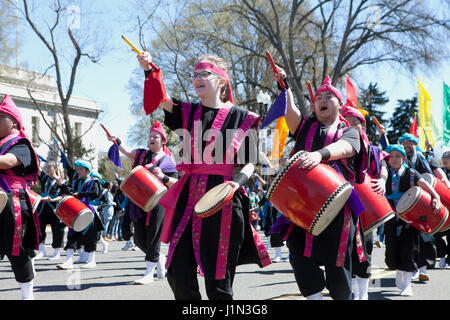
(408, 137)
(83, 163)
(396, 147)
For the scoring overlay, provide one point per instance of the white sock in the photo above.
(27, 290)
(355, 288)
(316, 296)
(407, 289)
(399, 279)
(363, 284)
(148, 275)
(278, 252)
(160, 267)
(423, 270)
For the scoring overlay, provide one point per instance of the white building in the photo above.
(19, 84)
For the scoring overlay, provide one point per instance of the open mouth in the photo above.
(323, 108)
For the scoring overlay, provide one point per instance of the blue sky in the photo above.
(106, 81)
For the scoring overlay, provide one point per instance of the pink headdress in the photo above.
(349, 111)
(219, 71)
(157, 127)
(9, 107)
(327, 86)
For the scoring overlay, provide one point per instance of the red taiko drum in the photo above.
(74, 213)
(444, 193)
(378, 209)
(143, 188)
(415, 207)
(34, 199)
(309, 198)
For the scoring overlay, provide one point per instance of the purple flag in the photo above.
(277, 110)
(114, 155)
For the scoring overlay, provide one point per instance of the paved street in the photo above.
(113, 277)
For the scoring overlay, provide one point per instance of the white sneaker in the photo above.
(68, 264)
(276, 259)
(442, 263)
(128, 245)
(407, 288)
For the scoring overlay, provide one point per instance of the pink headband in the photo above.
(9, 107)
(327, 86)
(219, 71)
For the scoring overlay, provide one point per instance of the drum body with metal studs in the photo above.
(415, 208)
(74, 213)
(378, 209)
(309, 198)
(143, 188)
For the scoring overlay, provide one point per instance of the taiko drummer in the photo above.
(327, 139)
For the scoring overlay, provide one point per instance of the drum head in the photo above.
(408, 200)
(281, 174)
(3, 200)
(82, 220)
(154, 200)
(331, 208)
(213, 200)
(428, 177)
(36, 203)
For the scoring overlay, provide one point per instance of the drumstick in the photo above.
(311, 93)
(242, 177)
(376, 122)
(107, 132)
(274, 67)
(139, 52)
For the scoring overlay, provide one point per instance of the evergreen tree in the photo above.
(371, 99)
(402, 118)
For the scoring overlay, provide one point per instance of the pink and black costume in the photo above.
(19, 226)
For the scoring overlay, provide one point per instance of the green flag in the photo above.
(446, 115)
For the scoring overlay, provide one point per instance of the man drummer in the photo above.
(332, 248)
(87, 189)
(402, 240)
(19, 226)
(378, 171)
(417, 160)
(148, 225)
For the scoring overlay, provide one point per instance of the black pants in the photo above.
(443, 246)
(46, 217)
(147, 237)
(126, 223)
(88, 239)
(401, 250)
(427, 254)
(182, 274)
(311, 279)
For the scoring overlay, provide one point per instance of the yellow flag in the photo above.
(279, 138)
(425, 125)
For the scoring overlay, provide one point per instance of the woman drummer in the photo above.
(402, 240)
(333, 247)
(148, 225)
(213, 244)
(377, 169)
(46, 210)
(19, 226)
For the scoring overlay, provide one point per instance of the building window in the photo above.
(77, 129)
(35, 130)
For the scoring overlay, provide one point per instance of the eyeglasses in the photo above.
(202, 75)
